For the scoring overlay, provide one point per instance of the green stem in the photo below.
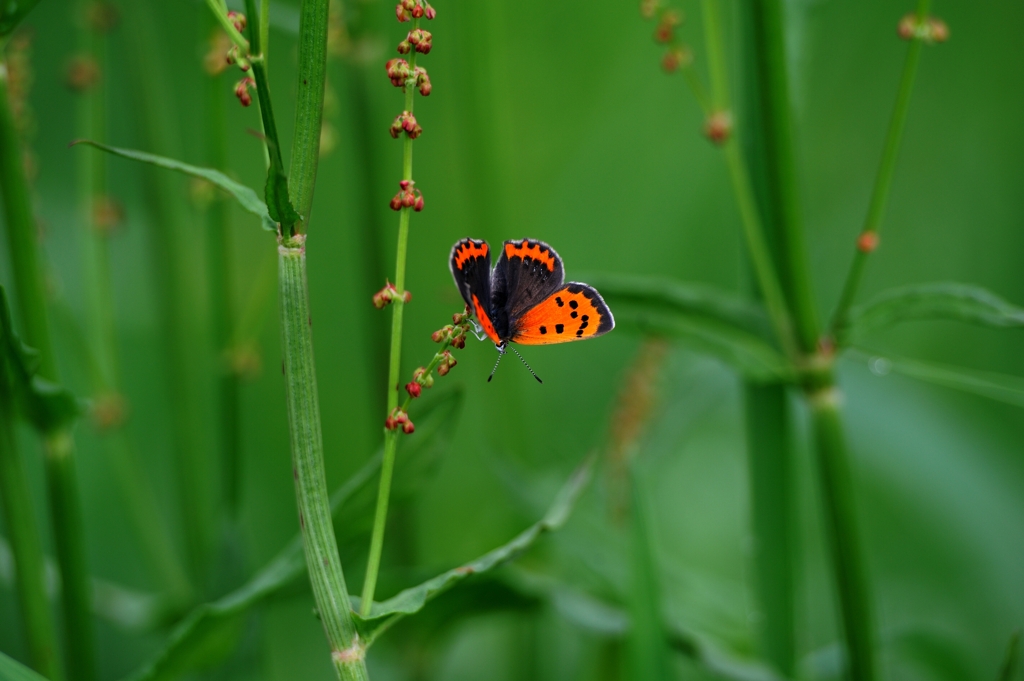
(58, 445)
(837, 493)
(309, 109)
(772, 138)
(394, 368)
(321, 548)
(22, 531)
(886, 170)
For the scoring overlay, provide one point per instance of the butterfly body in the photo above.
(525, 299)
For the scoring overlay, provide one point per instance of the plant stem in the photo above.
(753, 227)
(24, 537)
(309, 109)
(837, 493)
(886, 170)
(319, 542)
(394, 369)
(57, 445)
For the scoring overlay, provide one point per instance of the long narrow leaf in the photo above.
(246, 197)
(412, 600)
(933, 301)
(208, 633)
(995, 386)
(12, 670)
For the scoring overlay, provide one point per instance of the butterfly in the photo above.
(525, 298)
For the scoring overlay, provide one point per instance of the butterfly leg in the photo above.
(477, 330)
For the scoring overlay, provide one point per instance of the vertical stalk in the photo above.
(58, 446)
(837, 493)
(394, 367)
(24, 536)
(886, 170)
(320, 544)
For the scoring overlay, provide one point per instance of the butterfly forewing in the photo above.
(470, 264)
(573, 312)
(528, 271)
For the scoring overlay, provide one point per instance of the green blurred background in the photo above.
(554, 121)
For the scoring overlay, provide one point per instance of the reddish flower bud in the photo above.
(404, 47)
(418, 204)
(400, 416)
(867, 242)
(439, 335)
(408, 199)
(459, 341)
(423, 81)
(417, 12)
(907, 28)
(663, 34)
(242, 90)
(429, 12)
(414, 389)
(938, 30)
(458, 317)
(675, 58)
(396, 201)
(390, 423)
(409, 4)
(396, 126)
(407, 296)
(404, 184)
(718, 127)
(237, 20)
(402, 13)
(442, 369)
(408, 428)
(408, 124)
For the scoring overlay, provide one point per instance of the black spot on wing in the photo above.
(543, 330)
(559, 328)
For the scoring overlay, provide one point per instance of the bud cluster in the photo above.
(718, 127)
(418, 40)
(930, 30)
(406, 10)
(399, 418)
(664, 32)
(407, 197)
(242, 90)
(237, 20)
(388, 294)
(405, 122)
(401, 75)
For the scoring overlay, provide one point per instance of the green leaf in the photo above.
(12, 670)
(246, 197)
(1010, 661)
(12, 12)
(995, 386)
(46, 405)
(933, 301)
(278, 202)
(732, 329)
(412, 600)
(208, 634)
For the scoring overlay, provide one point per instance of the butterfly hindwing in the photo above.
(573, 312)
(528, 271)
(470, 264)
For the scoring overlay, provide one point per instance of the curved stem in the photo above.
(886, 170)
(394, 369)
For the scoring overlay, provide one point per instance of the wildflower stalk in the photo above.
(319, 543)
(883, 180)
(22, 531)
(58, 446)
(395, 357)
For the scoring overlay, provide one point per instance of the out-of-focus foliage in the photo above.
(554, 121)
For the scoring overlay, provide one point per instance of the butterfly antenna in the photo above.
(500, 355)
(524, 364)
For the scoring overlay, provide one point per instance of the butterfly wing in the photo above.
(527, 273)
(470, 264)
(573, 312)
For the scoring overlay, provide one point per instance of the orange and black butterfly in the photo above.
(525, 298)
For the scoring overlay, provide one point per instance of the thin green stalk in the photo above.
(394, 369)
(837, 493)
(886, 170)
(321, 548)
(40, 632)
(774, 165)
(58, 446)
(753, 226)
